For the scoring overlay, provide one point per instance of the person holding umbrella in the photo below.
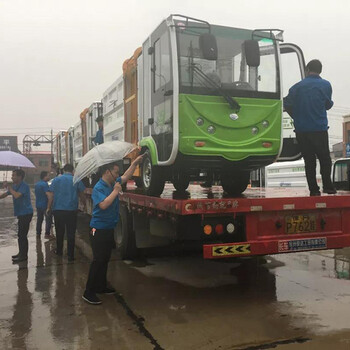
(105, 198)
(22, 209)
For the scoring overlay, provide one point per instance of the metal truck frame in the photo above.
(270, 221)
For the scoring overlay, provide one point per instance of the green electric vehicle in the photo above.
(210, 103)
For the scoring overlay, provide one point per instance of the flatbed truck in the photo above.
(259, 222)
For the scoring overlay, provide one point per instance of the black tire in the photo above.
(125, 235)
(181, 181)
(235, 183)
(207, 184)
(152, 177)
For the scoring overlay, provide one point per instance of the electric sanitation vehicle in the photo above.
(205, 102)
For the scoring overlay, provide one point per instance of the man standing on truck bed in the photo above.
(99, 134)
(105, 215)
(307, 103)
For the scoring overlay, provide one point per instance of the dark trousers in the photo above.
(41, 213)
(312, 145)
(65, 221)
(23, 228)
(102, 245)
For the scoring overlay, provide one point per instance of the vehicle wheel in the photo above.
(235, 183)
(181, 181)
(125, 235)
(207, 184)
(152, 178)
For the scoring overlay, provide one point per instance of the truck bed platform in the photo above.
(271, 221)
(198, 200)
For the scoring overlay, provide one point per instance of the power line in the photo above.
(36, 128)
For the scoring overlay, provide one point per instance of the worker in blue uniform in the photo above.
(105, 215)
(99, 134)
(41, 200)
(23, 209)
(63, 200)
(307, 103)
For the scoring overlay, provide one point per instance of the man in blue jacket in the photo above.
(23, 210)
(307, 103)
(63, 199)
(99, 134)
(105, 198)
(41, 199)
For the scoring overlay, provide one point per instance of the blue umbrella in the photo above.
(16, 160)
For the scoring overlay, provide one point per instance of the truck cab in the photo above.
(340, 174)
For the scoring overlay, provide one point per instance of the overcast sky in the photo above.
(58, 56)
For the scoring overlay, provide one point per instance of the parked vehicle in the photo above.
(289, 174)
(202, 98)
(341, 174)
(205, 102)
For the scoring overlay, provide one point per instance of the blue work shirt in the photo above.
(41, 187)
(104, 219)
(99, 137)
(22, 205)
(65, 193)
(308, 101)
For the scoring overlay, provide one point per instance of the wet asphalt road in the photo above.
(295, 301)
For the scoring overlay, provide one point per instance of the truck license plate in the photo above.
(302, 244)
(300, 223)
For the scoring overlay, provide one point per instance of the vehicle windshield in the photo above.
(229, 68)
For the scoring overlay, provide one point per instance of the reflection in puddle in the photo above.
(316, 286)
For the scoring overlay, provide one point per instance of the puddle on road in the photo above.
(312, 288)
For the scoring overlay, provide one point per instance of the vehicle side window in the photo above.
(161, 69)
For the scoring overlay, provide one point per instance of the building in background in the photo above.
(43, 162)
(9, 143)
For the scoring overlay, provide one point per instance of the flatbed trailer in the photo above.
(260, 222)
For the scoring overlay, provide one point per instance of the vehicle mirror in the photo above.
(252, 53)
(208, 45)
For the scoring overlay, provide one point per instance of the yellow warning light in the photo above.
(207, 229)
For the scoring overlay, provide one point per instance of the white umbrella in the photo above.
(105, 153)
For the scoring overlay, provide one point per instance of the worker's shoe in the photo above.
(19, 259)
(15, 256)
(57, 252)
(330, 190)
(315, 193)
(107, 290)
(91, 298)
